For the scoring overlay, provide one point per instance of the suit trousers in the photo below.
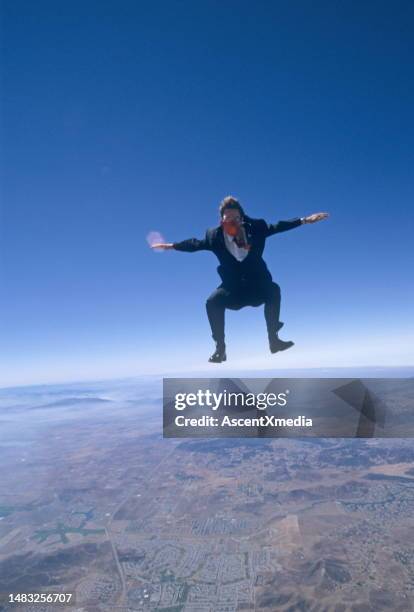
(236, 299)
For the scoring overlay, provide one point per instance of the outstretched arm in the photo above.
(283, 226)
(189, 246)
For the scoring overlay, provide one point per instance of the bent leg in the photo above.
(272, 310)
(215, 306)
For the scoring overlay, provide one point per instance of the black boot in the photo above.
(276, 344)
(219, 354)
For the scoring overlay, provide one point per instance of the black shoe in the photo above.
(276, 345)
(219, 355)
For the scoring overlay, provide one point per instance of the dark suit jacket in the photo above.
(251, 273)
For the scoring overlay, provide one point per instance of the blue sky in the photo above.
(124, 117)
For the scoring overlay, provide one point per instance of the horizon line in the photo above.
(194, 375)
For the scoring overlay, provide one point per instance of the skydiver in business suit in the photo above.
(238, 242)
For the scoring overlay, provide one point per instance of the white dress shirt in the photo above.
(238, 252)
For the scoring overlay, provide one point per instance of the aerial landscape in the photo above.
(95, 502)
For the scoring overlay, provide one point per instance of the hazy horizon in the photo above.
(361, 371)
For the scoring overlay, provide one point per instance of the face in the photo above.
(231, 221)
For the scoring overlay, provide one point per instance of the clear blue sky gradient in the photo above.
(124, 117)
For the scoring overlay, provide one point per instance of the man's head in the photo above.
(231, 214)
(229, 206)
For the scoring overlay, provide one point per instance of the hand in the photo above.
(315, 217)
(162, 245)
